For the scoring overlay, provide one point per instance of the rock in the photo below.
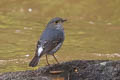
(72, 70)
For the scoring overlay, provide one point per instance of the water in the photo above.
(92, 30)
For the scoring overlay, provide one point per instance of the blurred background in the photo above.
(92, 30)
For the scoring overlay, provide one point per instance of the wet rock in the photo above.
(72, 70)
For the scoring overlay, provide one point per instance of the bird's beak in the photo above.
(64, 20)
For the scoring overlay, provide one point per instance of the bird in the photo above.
(50, 41)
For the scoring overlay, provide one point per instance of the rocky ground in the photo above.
(72, 70)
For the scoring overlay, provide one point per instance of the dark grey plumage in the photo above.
(50, 41)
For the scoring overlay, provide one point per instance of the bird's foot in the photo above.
(48, 65)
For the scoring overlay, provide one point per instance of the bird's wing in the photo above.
(55, 49)
(56, 42)
(50, 45)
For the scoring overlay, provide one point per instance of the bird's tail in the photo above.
(34, 61)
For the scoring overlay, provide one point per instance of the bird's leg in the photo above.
(55, 58)
(47, 60)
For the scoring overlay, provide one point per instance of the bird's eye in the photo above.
(56, 22)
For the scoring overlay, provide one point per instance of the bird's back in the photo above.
(50, 38)
(51, 34)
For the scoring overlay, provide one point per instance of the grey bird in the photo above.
(50, 41)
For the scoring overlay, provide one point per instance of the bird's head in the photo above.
(57, 20)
